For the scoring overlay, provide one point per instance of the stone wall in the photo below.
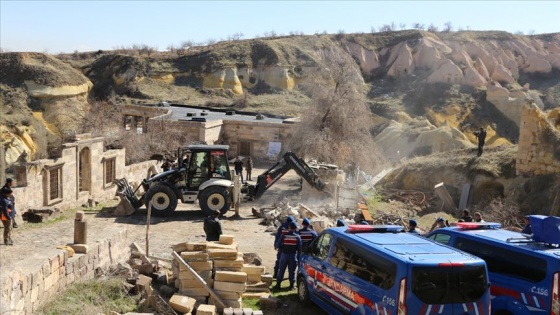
(82, 174)
(36, 281)
(258, 134)
(539, 144)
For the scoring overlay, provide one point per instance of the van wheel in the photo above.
(214, 198)
(163, 198)
(303, 292)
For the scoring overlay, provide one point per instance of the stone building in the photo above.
(84, 170)
(539, 143)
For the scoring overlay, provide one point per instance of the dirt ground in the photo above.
(34, 242)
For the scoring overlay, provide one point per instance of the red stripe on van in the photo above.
(497, 291)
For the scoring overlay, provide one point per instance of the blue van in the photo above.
(369, 269)
(523, 269)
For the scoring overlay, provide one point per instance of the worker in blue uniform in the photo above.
(289, 245)
(306, 233)
(282, 229)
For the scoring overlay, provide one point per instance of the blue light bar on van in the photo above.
(478, 225)
(374, 229)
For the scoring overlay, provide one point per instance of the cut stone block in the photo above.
(230, 276)
(226, 239)
(181, 303)
(222, 246)
(253, 270)
(221, 253)
(236, 269)
(253, 278)
(237, 311)
(259, 312)
(255, 295)
(225, 295)
(187, 275)
(79, 248)
(180, 284)
(194, 256)
(143, 283)
(238, 263)
(196, 246)
(247, 311)
(198, 266)
(180, 247)
(266, 278)
(229, 286)
(194, 292)
(228, 311)
(258, 287)
(206, 309)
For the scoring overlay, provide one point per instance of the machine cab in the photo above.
(206, 162)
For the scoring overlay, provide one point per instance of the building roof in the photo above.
(183, 112)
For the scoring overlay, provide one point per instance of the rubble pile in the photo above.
(321, 218)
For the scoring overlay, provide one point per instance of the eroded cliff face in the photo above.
(41, 99)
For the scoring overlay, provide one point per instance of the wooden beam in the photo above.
(199, 279)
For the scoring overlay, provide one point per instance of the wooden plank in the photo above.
(443, 194)
(365, 213)
(314, 214)
(465, 197)
(197, 277)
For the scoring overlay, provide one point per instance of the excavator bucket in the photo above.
(129, 202)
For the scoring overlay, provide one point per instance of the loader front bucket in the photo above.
(129, 202)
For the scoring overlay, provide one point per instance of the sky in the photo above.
(66, 26)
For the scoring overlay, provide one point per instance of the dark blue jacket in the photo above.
(289, 243)
(6, 204)
(282, 230)
(307, 236)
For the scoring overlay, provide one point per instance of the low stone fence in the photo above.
(36, 281)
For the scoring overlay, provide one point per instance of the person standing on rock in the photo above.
(249, 167)
(481, 135)
(213, 227)
(290, 247)
(6, 207)
(9, 183)
(238, 166)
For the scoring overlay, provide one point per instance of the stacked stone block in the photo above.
(195, 255)
(258, 283)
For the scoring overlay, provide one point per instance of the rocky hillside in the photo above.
(427, 91)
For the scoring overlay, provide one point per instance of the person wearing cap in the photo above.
(306, 233)
(340, 223)
(9, 183)
(527, 229)
(282, 230)
(289, 245)
(412, 224)
(440, 223)
(6, 207)
(213, 227)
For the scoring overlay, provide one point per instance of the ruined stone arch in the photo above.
(84, 170)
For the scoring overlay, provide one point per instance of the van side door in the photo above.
(316, 267)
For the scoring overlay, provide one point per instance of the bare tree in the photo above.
(447, 27)
(236, 36)
(519, 33)
(336, 127)
(147, 49)
(531, 32)
(418, 26)
(373, 30)
(402, 26)
(388, 27)
(432, 28)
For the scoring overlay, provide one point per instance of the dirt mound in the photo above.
(43, 69)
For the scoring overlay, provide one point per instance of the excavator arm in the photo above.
(288, 162)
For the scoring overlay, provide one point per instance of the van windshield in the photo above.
(449, 285)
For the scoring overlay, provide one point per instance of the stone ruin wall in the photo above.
(33, 283)
(539, 144)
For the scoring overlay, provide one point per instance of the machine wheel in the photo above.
(214, 198)
(163, 198)
(303, 292)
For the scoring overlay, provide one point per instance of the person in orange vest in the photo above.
(6, 206)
